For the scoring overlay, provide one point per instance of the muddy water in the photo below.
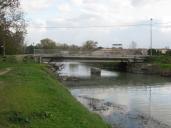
(122, 99)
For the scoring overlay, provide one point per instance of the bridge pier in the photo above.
(38, 59)
(95, 72)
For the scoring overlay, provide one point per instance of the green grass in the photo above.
(30, 97)
(159, 59)
(163, 61)
(165, 66)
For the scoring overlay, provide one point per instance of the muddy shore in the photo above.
(120, 115)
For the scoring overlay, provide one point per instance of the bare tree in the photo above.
(47, 44)
(90, 45)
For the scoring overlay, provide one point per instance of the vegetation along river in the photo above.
(122, 99)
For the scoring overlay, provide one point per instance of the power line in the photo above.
(166, 26)
(104, 26)
(75, 27)
(159, 23)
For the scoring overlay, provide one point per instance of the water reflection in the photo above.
(80, 70)
(150, 95)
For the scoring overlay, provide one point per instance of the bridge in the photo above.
(85, 56)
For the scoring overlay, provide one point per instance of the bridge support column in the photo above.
(95, 72)
(38, 59)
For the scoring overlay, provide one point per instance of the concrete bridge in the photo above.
(130, 58)
(88, 56)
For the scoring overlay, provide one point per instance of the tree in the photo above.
(74, 47)
(12, 26)
(46, 44)
(168, 53)
(89, 45)
(64, 46)
(29, 49)
(155, 52)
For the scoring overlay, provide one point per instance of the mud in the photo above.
(119, 116)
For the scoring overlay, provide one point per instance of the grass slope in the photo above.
(32, 98)
(163, 61)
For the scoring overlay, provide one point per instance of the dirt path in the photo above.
(3, 72)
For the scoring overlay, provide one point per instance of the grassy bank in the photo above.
(30, 97)
(164, 62)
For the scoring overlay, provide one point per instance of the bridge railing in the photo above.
(82, 53)
(62, 52)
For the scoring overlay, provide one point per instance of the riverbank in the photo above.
(156, 65)
(126, 100)
(122, 117)
(31, 97)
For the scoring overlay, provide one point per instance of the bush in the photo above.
(8, 59)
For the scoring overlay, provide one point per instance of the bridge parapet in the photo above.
(86, 55)
(62, 52)
(58, 52)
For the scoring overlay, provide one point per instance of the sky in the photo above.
(105, 21)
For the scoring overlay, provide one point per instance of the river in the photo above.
(122, 99)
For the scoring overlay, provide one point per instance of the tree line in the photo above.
(87, 46)
(50, 44)
(157, 52)
(12, 27)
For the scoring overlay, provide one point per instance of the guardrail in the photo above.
(81, 53)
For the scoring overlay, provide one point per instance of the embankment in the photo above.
(156, 65)
(31, 97)
(160, 65)
(144, 68)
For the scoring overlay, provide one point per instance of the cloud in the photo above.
(64, 8)
(144, 2)
(99, 13)
(34, 5)
(77, 2)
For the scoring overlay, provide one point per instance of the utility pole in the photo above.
(151, 36)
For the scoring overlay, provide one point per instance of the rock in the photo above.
(66, 78)
(95, 72)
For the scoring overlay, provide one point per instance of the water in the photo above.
(126, 100)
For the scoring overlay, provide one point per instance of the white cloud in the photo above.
(34, 5)
(64, 8)
(36, 30)
(77, 2)
(101, 13)
(37, 26)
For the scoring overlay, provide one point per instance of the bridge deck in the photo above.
(86, 58)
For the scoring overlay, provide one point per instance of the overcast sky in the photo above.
(41, 14)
